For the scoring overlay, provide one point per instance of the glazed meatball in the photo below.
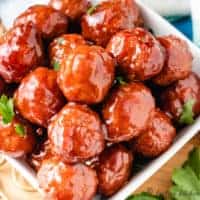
(138, 53)
(178, 61)
(16, 137)
(20, 51)
(127, 110)
(178, 94)
(108, 18)
(86, 74)
(38, 97)
(48, 21)
(76, 133)
(158, 136)
(62, 46)
(114, 169)
(74, 9)
(67, 182)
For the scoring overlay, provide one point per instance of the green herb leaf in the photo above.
(60, 40)
(186, 179)
(120, 80)
(187, 115)
(91, 9)
(20, 130)
(56, 65)
(145, 196)
(6, 109)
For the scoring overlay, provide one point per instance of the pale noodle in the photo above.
(20, 182)
(3, 196)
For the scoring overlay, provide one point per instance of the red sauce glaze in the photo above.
(74, 9)
(48, 21)
(11, 142)
(86, 74)
(158, 136)
(114, 169)
(175, 96)
(178, 61)
(2, 86)
(76, 133)
(63, 45)
(138, 53)
(20, 51)
(127, 110)
(108, 18)
(67, 182)
(38, 97)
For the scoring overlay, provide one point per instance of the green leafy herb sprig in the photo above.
(7, 112)
(56, 65)
(120, 80)
(92, 9)
(187, 115)
(187, 179)
(145, 196)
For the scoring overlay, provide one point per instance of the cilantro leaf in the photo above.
(186, 179)
(145, 196)
(56, 65)
(187, 115)
(121, 80)
(194, 161)
(6, 109)
(20, 130)
(91, 10)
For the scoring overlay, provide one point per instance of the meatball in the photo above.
(74, 9)
(158, 136)
(20, 51)
(178, 94)
(67, 182)
(62, 46)
(86, 74)
(114, 169)
(76, 133)
(16, 137)
(178, 61)
(38, 97)
(108, 18)
(138, 53)
(127, 110)
(48, 21)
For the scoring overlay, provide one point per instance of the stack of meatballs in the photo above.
(85, 88)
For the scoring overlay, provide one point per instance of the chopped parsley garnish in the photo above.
(91, 10)
(6, 109)
(120, 80)
(56, 65)
(20, 130)
(145, 196)
(187, 115)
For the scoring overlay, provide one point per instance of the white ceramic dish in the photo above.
(160, 27)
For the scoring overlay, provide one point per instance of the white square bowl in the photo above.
(160, 27)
